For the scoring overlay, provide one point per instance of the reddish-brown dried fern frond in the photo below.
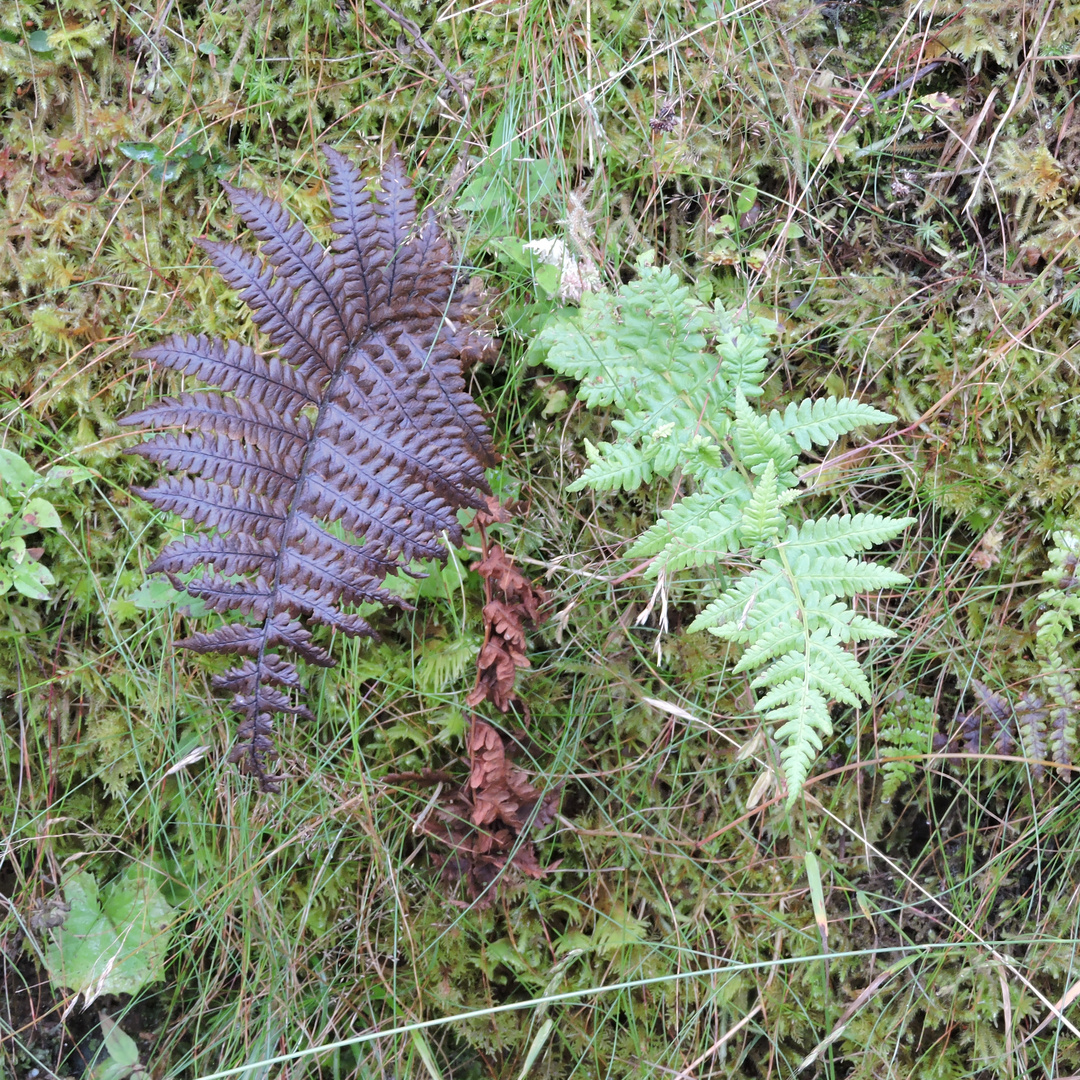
(361, 418)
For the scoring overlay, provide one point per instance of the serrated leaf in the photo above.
(738, 602)
(843, 534)
(804, 723)
(756, 443)
(614, 466)
(840, 620)
(841, 576)
(112, 942)
(775, 641)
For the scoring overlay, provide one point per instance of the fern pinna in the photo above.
(683, 375)
(316, 471)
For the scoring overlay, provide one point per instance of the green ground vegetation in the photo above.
(894, 189)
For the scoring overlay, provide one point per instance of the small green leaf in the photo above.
(17, 546)
(38, 42)
(167, 170)
(119, 1044)
(31, 579)
(16, 475)
(512, 251)
(208, 48)
(747, 197)
(67, 475)
(37, 514)
(144, 152)
(547, 279)
(154, 594)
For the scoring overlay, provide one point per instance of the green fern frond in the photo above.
(744, 602)
(757, 444)
(845, 625)
(762, 518)
(698, 530)
(837, 575)
(743, 350)
(614, 466)
(682, 375)
(701, 544)
(822, 422)
(804, 722)
(906, 728)
(845, 534)
(825, 667)
(777, 640)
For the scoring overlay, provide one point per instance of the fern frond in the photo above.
(644, 350)
(836, 575)
(823, 665)
(757, 444)
(762, 518)
(843, 624)
(1031, 730)
(804, 723)
(843, 534)
(371, 339)
(906, 728)
(822, 422)
(744, 353)
(741, 604)
(614, 466)
(1064, 705)
(714, 535)
(778, 639)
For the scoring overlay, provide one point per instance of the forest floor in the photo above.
(890, 193)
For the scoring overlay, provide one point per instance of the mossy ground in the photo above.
(919, 251)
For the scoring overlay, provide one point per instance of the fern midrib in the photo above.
(803, 622)
(325, 403)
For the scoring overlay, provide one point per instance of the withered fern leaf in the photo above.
(360, 417)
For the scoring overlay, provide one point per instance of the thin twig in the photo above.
(414, 32)
(899, 88)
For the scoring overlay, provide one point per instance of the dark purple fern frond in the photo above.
(317, 471)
